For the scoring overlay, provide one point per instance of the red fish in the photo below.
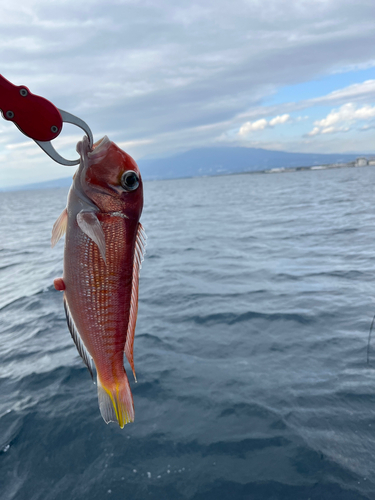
(104, 248)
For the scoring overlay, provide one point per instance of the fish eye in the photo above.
(129, 180)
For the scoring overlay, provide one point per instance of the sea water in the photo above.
(256, 299)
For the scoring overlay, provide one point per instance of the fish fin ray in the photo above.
(116, 404)
(90, 225)
(83, 352)
(139, 252)
(59, 227)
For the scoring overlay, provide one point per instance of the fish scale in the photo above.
(104, 249)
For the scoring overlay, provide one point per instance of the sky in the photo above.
(160, 77)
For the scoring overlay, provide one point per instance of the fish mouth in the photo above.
(99, 149)
(101, 142)
(89, 157)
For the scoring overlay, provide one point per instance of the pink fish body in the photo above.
(104, 248)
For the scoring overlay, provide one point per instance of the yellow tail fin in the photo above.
(116, 402)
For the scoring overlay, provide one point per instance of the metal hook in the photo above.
(51, 151)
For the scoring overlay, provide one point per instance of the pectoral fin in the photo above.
(59, 227)
(90, 225)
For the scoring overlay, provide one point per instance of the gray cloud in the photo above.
(153, 69)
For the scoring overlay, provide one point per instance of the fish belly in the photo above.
(98, 295)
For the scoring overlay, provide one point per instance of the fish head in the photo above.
(110, 178)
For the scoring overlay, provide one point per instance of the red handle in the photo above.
(36, 117)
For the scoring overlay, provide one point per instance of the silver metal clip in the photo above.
(51, 151)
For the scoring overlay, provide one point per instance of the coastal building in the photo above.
(361, 162)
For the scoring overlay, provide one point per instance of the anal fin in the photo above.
(83, 352)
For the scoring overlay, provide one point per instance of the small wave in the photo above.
(7, 266)
(231, 318)
(24, 301)
(150, 390)
(153, 340)
(241, 448)
(350, 275)
(248, 409)
(221, 489)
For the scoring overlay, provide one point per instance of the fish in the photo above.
(103, 254)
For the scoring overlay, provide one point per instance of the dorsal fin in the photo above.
(139, 252)
(77, 339)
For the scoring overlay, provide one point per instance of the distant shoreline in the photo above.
(67, 181)
(327, 166)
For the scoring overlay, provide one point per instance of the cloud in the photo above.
(262, 124)
(279, 120)
(364, 128)
(342, 119)
(160, 58)
(158, 72)
(356, 92)
(253, 126)
(18, 145)
(359, 93)
(140, 142)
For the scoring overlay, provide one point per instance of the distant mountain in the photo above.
(228, 160)
(56, 183)
(215, 161)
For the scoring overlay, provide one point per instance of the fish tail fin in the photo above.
(116, 402)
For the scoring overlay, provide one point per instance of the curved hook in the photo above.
(51, 151)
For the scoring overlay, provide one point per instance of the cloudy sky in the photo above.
(160, 76)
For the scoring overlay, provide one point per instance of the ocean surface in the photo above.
(256, 299)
